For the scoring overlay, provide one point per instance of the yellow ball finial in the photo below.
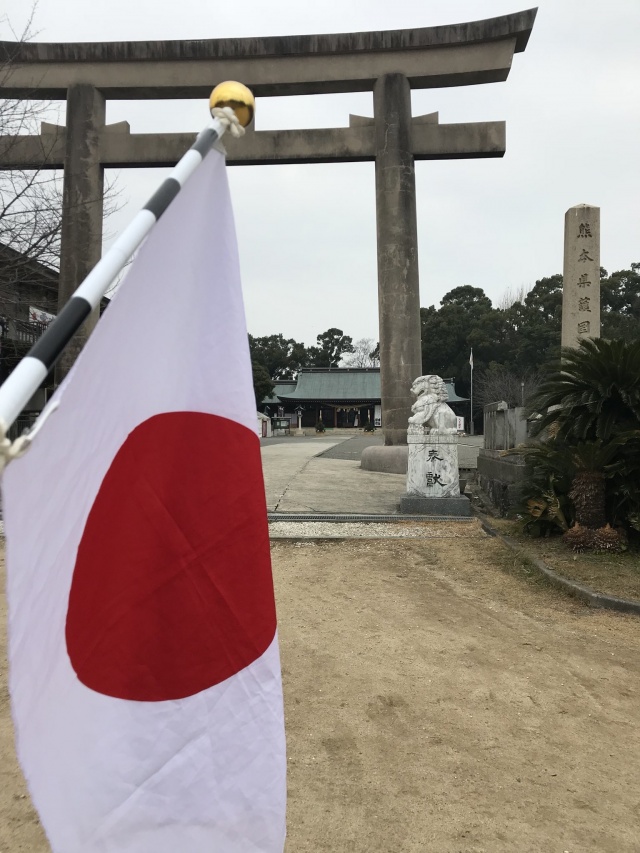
(236, 96)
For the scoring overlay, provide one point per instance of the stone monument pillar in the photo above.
(433, 485)
(81, 238)
(397, 233)
(581, 275)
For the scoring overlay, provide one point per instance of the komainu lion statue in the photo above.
(431, 412)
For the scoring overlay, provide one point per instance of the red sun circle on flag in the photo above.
(172, 590)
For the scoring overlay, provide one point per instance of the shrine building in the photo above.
(342, 398)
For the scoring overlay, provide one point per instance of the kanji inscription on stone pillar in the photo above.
(581, 289)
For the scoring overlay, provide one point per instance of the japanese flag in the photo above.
(145, 674)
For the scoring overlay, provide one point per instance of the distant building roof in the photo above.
(280, 388)
(337, 385)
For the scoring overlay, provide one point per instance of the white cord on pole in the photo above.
(226, 116)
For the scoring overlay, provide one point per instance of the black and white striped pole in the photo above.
(232, 107)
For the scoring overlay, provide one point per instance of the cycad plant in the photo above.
(623, 491)
(546, 504)
(588, 414)
(594, 394)
(593, 463)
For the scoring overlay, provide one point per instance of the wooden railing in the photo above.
(22, 331)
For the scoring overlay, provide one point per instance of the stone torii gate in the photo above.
(389, 63)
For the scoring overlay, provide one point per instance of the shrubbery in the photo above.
(584, 469)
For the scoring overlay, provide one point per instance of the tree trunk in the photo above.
(588, 496)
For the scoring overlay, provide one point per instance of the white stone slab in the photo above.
(433, 465)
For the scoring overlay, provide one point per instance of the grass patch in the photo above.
(609, 574)
(519, 565)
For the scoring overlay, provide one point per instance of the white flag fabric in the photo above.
(145, 674)
(471, 359)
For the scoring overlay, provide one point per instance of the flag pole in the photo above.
(232, 107)
(471, 432)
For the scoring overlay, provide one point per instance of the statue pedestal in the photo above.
(433, 486)
(458, 507)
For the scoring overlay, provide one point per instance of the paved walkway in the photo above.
(298, 478)
(322, 474)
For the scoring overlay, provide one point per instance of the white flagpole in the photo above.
(25, 379)
(471, 401)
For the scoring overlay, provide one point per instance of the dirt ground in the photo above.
(438, 700)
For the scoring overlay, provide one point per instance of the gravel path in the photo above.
(372, 530)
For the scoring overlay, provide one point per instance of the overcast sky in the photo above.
(307, 233)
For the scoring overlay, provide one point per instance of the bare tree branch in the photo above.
(499, 383)
(512, 295)
(363, 355)
(30, 217)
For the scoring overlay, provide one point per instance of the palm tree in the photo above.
(593, 395)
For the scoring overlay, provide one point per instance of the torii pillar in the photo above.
(82, 201)
(397, 234)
